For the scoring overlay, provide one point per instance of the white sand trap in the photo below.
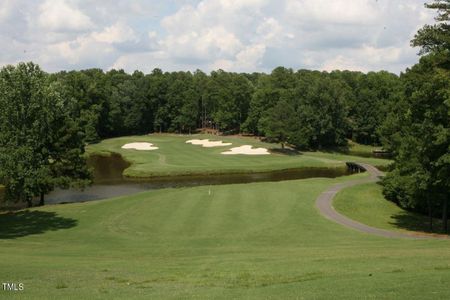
(246, 150)
(140, 146)
(207, 143)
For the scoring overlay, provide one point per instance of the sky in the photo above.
(233, 35)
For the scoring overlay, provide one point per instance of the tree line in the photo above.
(417, 131)
(319, 109)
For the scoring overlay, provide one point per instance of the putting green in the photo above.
(253, 241)
(175, 157)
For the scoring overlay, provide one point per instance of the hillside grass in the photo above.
(175, 157)
(366, 204)
(360, 149)
(252, 241)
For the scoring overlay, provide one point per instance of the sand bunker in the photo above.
(140, 146)
(246, 150)
(207, 143)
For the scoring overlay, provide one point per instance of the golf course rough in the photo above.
(324, 204)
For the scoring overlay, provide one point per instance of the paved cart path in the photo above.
(324, 204)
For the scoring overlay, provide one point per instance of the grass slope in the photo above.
(175, 157)
(360, 149)
(252, 241)
(366, 204)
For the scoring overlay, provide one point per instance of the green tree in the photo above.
(41, 144)
(435, 38)
(268, 91)
(322, 112)
(419, 130)
(278, 123)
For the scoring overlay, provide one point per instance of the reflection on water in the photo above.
(109, 182)
(108, 169)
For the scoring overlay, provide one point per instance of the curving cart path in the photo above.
(325, 200)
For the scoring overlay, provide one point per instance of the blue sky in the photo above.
(234, 35)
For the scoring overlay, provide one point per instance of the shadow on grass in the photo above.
(24, 223)
(413, 222)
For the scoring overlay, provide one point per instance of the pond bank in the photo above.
(109, 180)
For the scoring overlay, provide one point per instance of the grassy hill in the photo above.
(255, 241)
(366, 204)
(175, 157)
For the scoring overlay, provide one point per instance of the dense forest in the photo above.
(317, 109)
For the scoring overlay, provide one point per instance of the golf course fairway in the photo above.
(253, 241)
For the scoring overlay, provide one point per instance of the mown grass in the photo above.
(366, 204)
(252, 241)
(175, 157)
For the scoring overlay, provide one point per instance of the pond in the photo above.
(109, 182)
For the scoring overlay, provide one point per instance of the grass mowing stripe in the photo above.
(283, 249)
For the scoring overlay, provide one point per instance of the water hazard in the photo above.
(109, 182)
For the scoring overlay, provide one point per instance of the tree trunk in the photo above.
(445, 216)
(430, 215)
(41, 200)
(282, 146)
(29, 202)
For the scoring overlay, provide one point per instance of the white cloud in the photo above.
(250, 58)
(116, 33)
(203, 45)
(247, 60)
(240, 4)
(147, 61)
(230, 35)
(58, 15)
(365, 59)
(152, 34)
(223, 64)
(270, 31)
(235, 35)
(80, 50)
(6, 8)
(356, 12)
